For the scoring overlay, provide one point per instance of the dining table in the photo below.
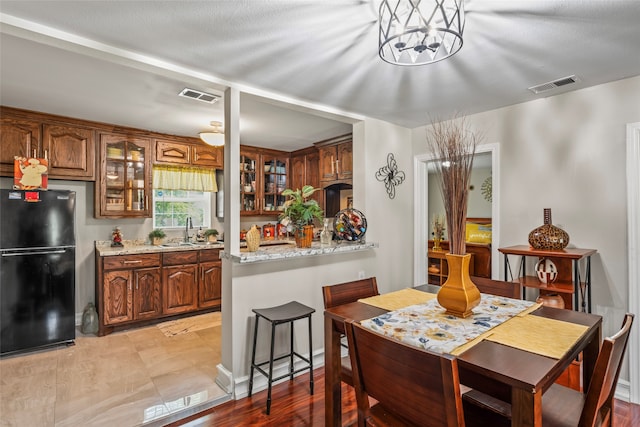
(514, 375)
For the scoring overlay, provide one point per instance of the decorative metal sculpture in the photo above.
(390, 175)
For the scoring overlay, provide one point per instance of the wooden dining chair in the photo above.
(498, 287)
(562, 406)
(344, 293)
(412, 386)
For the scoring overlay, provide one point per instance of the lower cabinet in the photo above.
(130, 288)
(210, 280)
(144, 287)
(146, 293)
(179, 282)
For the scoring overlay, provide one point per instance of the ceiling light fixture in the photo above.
(419, 32)
(213, 137)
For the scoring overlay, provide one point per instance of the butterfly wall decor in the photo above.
(390, 175)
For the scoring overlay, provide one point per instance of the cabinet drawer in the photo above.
(210, 255)
(177, 258)
(119, 262)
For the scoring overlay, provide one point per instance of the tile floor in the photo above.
(129, 378)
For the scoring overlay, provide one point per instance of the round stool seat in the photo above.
(285, 313)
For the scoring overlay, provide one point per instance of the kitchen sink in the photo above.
(177, 245)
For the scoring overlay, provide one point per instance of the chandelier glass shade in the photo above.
(419, 32)
(213, 137)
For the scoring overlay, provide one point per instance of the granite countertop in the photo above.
(140, 246)
(280, 252)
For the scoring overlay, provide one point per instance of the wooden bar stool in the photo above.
(287, 313)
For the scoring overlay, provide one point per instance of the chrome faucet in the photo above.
(187, 226)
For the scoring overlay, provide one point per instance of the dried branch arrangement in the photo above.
(453, 147)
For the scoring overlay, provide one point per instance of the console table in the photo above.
(568, 283)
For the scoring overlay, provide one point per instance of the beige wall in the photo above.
(567, 153)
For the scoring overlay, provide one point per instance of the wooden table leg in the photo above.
(332, 366)
(589, 357)
(526, 408)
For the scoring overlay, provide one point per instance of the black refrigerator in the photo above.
(37, 269)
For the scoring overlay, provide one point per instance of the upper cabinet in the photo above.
(336, 160)
(66, 144)
(181, 153)
(263, 177)
(304, 167)
(124, 185)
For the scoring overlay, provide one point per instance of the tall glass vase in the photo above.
(458, 295)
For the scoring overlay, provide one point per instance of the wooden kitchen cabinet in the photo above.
(182, 153)
(123, 185)
(210, 280)
(128, 289)
(179, 282)
(143, 288)
(146, 294)
(304, 170)
(68, 147)
(18, 137)
(336, 160)
(118, 297)
(263, 178)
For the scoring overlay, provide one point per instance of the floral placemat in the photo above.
(427, 326)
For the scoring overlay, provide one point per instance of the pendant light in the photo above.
(418, 32)
(213, 137)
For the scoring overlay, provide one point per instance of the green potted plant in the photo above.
(211, 234)
(156, 236)
(300, 211)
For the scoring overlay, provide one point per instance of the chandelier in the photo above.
(419, 32)
(213, 137)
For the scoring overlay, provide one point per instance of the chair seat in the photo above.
(285, 313)
(562, 406)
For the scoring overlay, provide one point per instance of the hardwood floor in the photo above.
(293, 406)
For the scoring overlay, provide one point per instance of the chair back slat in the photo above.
(344, 293)
(498, 287)
(419, 387)
(598, 404)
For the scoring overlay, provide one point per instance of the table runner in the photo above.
(427, 326)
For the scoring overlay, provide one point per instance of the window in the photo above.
(171, 208)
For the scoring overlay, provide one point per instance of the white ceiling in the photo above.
(125, 61)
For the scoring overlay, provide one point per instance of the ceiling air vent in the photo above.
(554, 84)
(199, 95)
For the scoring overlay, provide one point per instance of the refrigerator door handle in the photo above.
(34, 253)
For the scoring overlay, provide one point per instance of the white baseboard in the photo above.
(623, 391)
(279, 368)
(225, 380)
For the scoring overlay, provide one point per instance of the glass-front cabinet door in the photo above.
(125, 177)
(263, 178)
(249, 182)
(274, 181)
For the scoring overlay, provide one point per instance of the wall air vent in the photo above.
(554, 84)
(199, 95)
